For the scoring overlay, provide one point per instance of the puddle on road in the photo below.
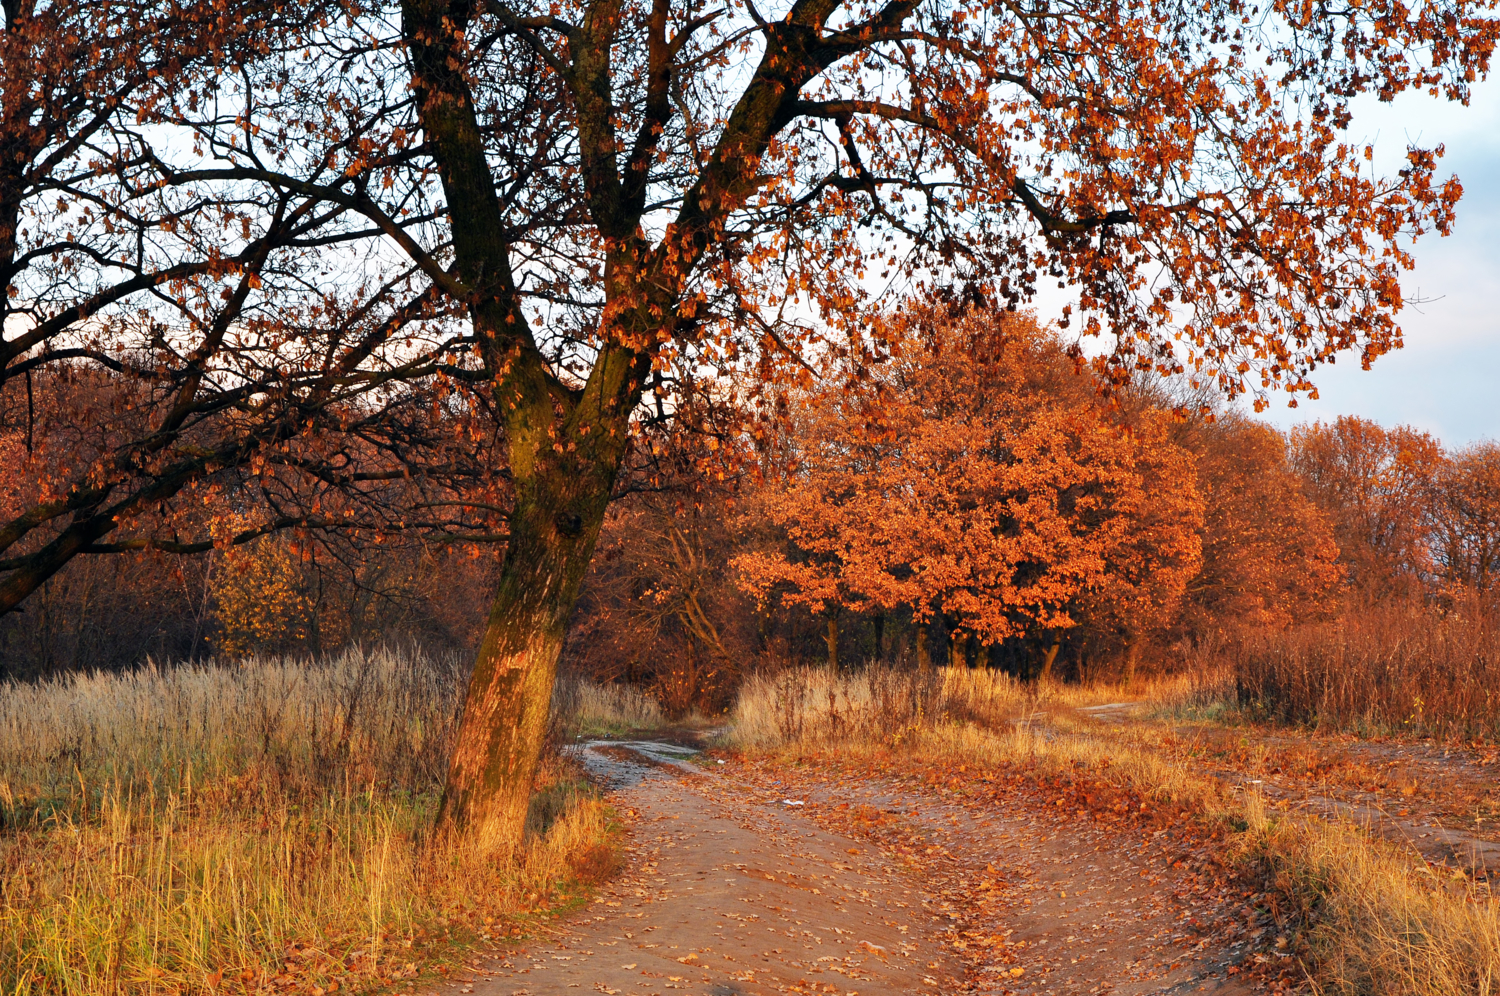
(622, 763)
(1112, 712)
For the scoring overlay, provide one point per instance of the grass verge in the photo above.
(258, 826)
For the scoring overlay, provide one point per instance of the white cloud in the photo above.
(1447, 378)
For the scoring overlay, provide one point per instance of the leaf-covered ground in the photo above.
(1441, 799)
(820, 876)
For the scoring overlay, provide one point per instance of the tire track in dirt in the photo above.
(723, 894)
(1040, 902)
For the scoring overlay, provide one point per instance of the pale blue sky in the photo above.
(1447, 378)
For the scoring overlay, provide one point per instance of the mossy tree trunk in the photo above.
(564, 448)
(552, 536)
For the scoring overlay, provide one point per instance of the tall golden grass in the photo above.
(816, 705)
(240, 827)
(1401, 666)
(582, 707)
(1376, 921)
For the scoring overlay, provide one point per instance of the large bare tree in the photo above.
(163, 331)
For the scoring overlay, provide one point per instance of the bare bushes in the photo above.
(1397, 667)
(232, 828)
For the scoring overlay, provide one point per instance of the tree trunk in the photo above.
(1132, 655)
(923, 663)
(1048, 658)
(564, 443)
(958, 643)
(552, 535)
(879, 637)
(982, 656)
(832, 640)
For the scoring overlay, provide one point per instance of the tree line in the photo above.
(979, 503)
(971, 500)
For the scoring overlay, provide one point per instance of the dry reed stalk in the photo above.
(234, 828)
(592, 709)
(1398, 667)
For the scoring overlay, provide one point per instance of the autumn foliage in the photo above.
(1270, 555)
(975, 480)
(422, 267)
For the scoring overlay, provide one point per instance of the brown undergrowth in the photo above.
(1356, 914)
(260, 826)
(1448, 785)
(1423, 668)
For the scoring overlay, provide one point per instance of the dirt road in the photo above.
(740, 881)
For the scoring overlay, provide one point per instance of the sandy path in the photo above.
(723, 895)
(1040, 902)
(729, 890)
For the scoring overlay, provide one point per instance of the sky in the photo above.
(1447, 378)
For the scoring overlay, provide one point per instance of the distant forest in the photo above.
(974, 500)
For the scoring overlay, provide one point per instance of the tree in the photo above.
(570, 208)
(958, 484)
(1373, 484)
(657, 607)
(1269, 555)
(1465, 518)
(703, 167)
(164, 331)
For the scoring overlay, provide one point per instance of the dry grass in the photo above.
(1368, 916)
(249, 827)
(949, 718)
(590, 709)
(1376, 920)
(816, 705)
(1384, 669)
